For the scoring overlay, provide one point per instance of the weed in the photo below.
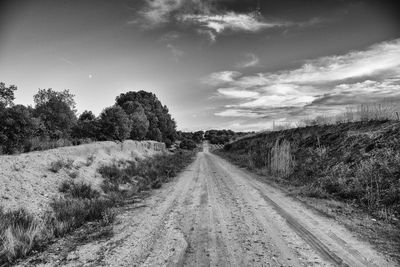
(73, 174)
(70, 213)
(89, 160)
(56, 166)
(19, 233)
(78, 190)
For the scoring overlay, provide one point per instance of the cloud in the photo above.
(251, 61)
(203, 17)
(322, 85)
(221, 78)
(219, 23)
(158, 11)
(237, 113)
(237, 93)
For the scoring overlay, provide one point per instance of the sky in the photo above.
(234, 64)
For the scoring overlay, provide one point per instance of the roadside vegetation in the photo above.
(354, 165)
(22, 232)
(54, 121)
(356, 162)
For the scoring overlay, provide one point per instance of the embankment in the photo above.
(31, 180)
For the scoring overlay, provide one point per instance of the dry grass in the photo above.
(282, 161)
(19, 232)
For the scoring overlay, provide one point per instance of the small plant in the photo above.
(19, 233)
(78, 190)
(73, 174)
(89, 160)
(56, 166)
(71, 213)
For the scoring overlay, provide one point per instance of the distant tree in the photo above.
(43, 96)
(161, 125)
(56, 111)
(115, 124)
(87, 126)
(17, 127)
(198, 136)
(140, 123)
(188, 144)
(6, 95)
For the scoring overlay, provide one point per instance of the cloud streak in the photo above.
(251, 61)
(205, 19)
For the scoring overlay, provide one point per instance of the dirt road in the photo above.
(215, 214)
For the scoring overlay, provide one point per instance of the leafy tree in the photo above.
(115, 124)
(140, 123)
(161, 125)
(17, 126)
(56, 113)
(198, 136)
(6, 95)
(188, 144)
(43, 96)
(87, 126)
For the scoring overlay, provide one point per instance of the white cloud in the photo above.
(223, 77)
(378, 58)
(237, 93)
(278, 101)
(251, 61)
(237, 113)
(351, 78)
(230, 21)
(158, 11)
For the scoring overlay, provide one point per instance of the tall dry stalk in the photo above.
(281, 160)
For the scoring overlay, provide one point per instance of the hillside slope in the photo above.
(349, 171)
(31, 180)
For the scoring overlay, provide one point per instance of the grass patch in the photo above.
(149, 173)
(70, 213)
(19, 233)
(57, 165)
(78, 190)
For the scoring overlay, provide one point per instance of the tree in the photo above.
(17, 127)
(115, 124)
(87, 126)
(43, 96)
(6, 95)
(56, 114)
(188, 144)
(140, 123)
(161, 126)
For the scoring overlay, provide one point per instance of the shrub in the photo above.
(188, 144)
(70, 213)
(19, 233)
(78, 190)
(56, 166)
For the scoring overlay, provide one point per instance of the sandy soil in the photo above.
(215, 214)
(26, 181)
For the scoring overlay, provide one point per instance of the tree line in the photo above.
(54, 120)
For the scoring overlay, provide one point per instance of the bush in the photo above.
(78, 190)
(19, 233)
(115, 124)
(70, 213)
(187, 144)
